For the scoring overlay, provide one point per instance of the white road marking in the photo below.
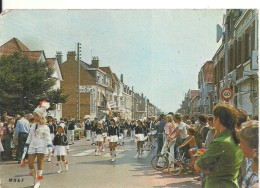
(87, 152)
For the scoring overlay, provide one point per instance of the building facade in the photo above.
(205, 85)
(241, 61)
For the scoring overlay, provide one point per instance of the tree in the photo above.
(55, 97)
(24, 83)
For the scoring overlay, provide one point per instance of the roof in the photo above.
(107, 70)
(34, 55)
(207, 71)
(12, 46)
(114, 77)
(15, 45)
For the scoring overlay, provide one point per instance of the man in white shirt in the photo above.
(180, 132)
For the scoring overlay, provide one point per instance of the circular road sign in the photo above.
(226, 94)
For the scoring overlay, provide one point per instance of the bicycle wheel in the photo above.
(160, 162)
(175, 168)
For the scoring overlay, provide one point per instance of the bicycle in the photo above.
(160, 162)
(182, 163)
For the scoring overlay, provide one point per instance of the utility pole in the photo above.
(78, 83)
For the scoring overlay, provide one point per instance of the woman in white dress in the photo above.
(37, 142)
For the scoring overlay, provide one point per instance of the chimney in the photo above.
(95, 62)
(71, 56)
(122, 78)
(59, 57)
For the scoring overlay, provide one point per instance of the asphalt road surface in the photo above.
(88, 170)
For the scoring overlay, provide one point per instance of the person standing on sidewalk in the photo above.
(222, 160)
(39, 139)
(52, 126)
(160, 132)
(87, 128)
(1, 134)
(71, 128)
(180, 133)
(22, 129)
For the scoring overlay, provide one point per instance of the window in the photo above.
(239, 52)
(231, 61)
(247, 45)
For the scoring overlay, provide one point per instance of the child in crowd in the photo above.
(192, 143)
(99, 138)
(61, 147)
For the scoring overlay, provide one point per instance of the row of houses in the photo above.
(99, 86)
(89, 86)
(237, 71)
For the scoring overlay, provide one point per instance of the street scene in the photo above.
(88, 170)
(129, 98)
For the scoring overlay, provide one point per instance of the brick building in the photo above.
(69, 86)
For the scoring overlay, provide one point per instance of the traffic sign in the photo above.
(226, 94)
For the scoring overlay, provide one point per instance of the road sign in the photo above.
(226, 94)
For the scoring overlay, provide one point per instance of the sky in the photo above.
(159, 51)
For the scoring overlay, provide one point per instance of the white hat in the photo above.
(41, 109)
(62, 125)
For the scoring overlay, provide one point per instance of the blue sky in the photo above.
(160, 52)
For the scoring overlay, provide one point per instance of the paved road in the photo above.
(88, 170)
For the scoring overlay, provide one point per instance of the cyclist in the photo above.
(192, 144)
